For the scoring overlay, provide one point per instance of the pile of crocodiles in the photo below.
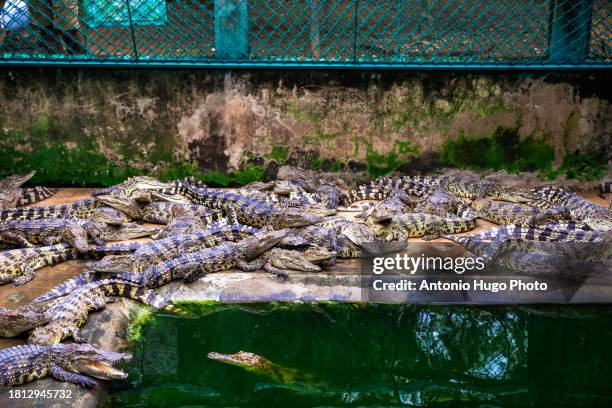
(279, 227)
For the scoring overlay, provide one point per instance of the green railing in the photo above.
(309, 33)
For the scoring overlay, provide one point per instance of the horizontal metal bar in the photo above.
(305, 65)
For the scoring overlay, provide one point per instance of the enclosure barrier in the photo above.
(419, 34)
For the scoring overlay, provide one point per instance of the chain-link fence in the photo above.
(409, 33)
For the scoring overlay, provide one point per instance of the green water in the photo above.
(430, 356)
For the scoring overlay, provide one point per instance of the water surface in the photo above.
(377, 355)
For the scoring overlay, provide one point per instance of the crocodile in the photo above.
(183, 222)
(160, 212)
(359, 236)
(25, 233)
(279, 260)
(553, 232)
(11, 191)
(427, 226)
(130, 267)
(250, 211)
(87, 208)
(18, 266)
(263, 367)
(381, 188)
(227, 255)
(543, 258)
(473, 187)
(73, 363)
(123, 232)
(580, 209)
(506, 213)
(385, 210)
(79, 302)
(78, 209)
(64, 316)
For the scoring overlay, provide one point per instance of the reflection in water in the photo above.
(357, 355)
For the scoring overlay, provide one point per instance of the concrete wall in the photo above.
(97, 126)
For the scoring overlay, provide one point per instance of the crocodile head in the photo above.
(480, 204)
(109, 215)
(386, 209)
(291, 260)
(242, 359)
(114, 263)
(16, 321)
(286, 187)
(122, 203)
(514, 194)
(318, 253)
(259, 243)
(134, 184)
(293, 217)
(16, 180)
(89, 360)
(357, 233)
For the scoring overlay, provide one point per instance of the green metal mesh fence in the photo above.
(412, 33)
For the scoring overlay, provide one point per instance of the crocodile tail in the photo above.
(40, 212)
(36, 194)
(604, 188)
(66, 287)
(141, 294)
(364, 192)
(83, 279)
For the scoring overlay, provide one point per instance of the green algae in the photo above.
(590, 165)
(504, 150)
(279, 154)
(501, 151)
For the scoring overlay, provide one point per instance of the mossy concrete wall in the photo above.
(98, 126)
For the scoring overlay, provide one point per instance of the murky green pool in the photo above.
(353, 355)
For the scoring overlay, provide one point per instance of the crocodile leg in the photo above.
(62, 375)
(14, 238)
(75, 332)
(48, 241)
(280, 273)
(251, 266)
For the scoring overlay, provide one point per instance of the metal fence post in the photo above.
(129, 11)
(570, 29)
(232, 29)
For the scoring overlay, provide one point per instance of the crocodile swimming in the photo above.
(263, 367)
(192, 265)
(250, 211)
(18, 266)
(73, 363)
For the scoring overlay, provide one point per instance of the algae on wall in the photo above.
(96, 127)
